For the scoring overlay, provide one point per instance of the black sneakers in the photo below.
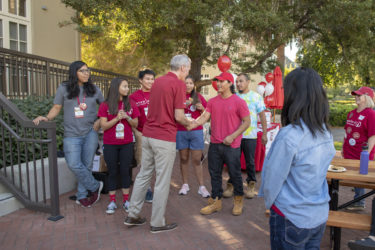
(130, 221)
(367, 243)
(168, 227)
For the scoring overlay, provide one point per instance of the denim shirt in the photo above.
(294, 175)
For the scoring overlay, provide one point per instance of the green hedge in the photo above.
(31, 107)
(339, 111)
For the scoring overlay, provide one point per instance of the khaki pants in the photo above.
(138, 146)
(158, 156)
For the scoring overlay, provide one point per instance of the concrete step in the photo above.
(8, 203)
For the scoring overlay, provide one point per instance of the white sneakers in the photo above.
(202, 190)
(126, 205)
(111, 208)
(184, 189)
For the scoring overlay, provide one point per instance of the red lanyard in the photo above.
(122, 105)
(83, 101)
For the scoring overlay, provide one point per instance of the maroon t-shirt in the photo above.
(141, 99)
(226, 117)
(193, 112)
(109, 136)
(360, 126)
(167, 94)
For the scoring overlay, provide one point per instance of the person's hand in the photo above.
(199, 106)
(264, 139)
(192, 125)
(121, 115)
(96, 125)
(39, 119)
(228, 140)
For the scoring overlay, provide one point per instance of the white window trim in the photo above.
(8, 17)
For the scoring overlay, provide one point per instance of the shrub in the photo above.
(31, 107)
(338, 112)
(35, 106)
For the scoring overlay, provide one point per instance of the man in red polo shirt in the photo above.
(167, 103)
(230, 117)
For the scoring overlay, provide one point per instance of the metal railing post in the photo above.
(53, 176)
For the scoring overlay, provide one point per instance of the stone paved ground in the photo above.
(91, 228)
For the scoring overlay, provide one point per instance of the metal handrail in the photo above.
(21, 139)
(23, 74)
(9, 180)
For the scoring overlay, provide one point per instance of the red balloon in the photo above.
(262, 83)
(214, 85)
(224, 63)
(269, 77)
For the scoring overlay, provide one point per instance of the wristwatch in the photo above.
(129, 119)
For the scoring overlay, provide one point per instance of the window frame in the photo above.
(7, 17)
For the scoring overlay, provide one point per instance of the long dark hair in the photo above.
(193, 94)
(114, 96)
(306, 99)
(72, 84)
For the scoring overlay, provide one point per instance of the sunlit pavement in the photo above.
(91, 228)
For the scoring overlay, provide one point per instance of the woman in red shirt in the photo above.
(118, 114)
(191, 141)
(359, 131)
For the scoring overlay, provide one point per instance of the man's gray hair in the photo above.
(178, 61)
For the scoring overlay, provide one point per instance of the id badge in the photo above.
(146, 111)
(120, 131)
(78, 112)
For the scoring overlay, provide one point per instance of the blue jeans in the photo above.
(359, 192)
(285, 235)
(79, 155)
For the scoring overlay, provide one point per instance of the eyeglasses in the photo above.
(84, 71)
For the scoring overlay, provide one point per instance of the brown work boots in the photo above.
(214, 205)
(237, 205)
(228, 192)
(249, 190)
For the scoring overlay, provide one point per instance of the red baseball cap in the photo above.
(364, 91)
(225, 76)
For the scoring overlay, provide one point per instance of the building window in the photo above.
(12, 5)
(17, 7)
(1, 33)
(205, 76)
(22, 8)
(13, 36)
(18, 37)
(23, 38)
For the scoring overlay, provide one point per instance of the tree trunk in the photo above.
(198, 50)
(280, 53)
